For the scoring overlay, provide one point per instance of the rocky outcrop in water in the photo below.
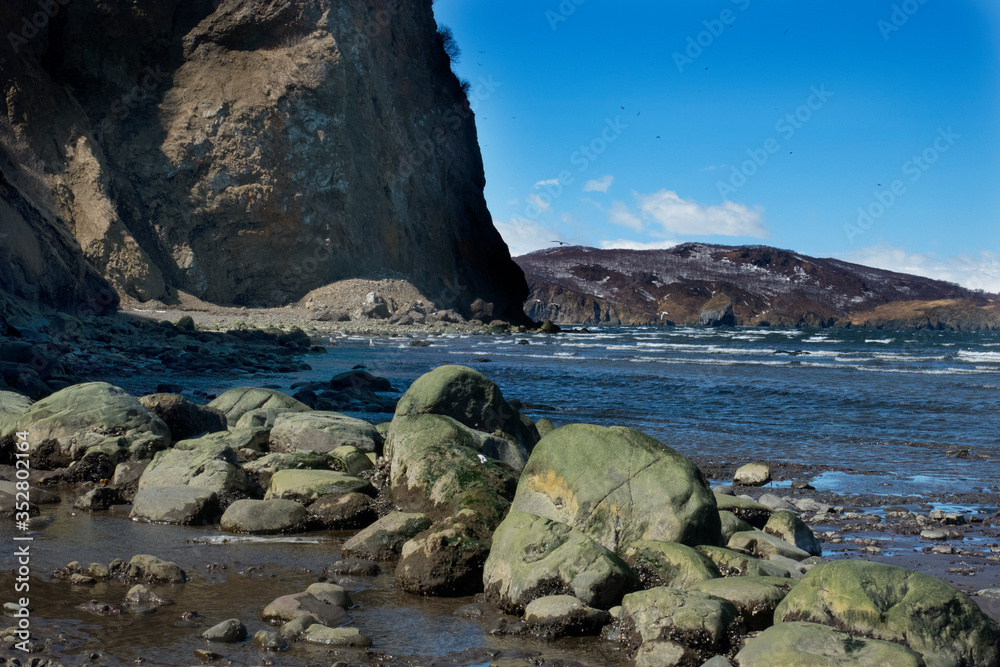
(709, 285)
(243, 151)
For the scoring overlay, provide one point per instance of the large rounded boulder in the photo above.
(322, 432)
(469, 398)
(205, 463)
(618, 486)
(93, 417)
(881, 601)
(438, 464)
(533, 557)
(237, 402)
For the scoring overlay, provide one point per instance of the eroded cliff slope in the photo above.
(244, 151)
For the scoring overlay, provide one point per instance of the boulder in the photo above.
(668, 564)
(666, 653)
(468, 397)
(237, 402)
(749, 511)
(269, 640)
(532, 557)
(12, 406)
(917, 610)
(294, 628)
(734, 564)
(204, 463)
(187, 505)
(126, 476)
(344, 637)
(544, 426)
(564, 616)
(322, 432)
(349, 511)
(184, 418)
(754, 597)
(692, 619)
(774, 502)
(821, 646)
(263, 517)
(308, 485)
(289, 607)
(101, 498)
(359, 379)
(731, 524)
(152, 569)
(384, 539)
(90, 416)
(261, 418)
(141, 598)
(765, 545)
(446, 559)
(263, 468)
(228, 632)
(349, 459)
(752, 474)
(436, 462)
(789, 528)
(603, 482)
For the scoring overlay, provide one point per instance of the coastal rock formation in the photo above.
(713, 285)
(242, 151)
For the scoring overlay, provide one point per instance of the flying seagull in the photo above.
(560, 242)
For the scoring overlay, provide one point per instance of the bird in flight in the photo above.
(560, 242)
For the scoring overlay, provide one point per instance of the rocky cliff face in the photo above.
(745, 286)
(246, 151)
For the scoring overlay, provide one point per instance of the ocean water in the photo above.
(889, 404)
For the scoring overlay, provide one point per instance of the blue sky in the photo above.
(865, 130)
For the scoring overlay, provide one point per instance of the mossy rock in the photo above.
(732, 524)
(787, 526)
(438, 466)
(813, 645)
(384, 539)
(735, 564)
(690, 618)
(604, 482)
(264, 517)
(322, 432)
(745, 509)
(469, 397)
(668, 564)
(533, 557)
(65, 425)
(350, 460)
(926, 614)
(446, 559)
(307, 485)
(237, 402)
(764, 545)
(754, 597)
(204, 463)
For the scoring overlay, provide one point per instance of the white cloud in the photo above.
(600, 185)
(978, 271)
(626, 244)
(620, 214)
(523, 236)
(542, 204)
(551, 181)
(686, 216)
(567, 217)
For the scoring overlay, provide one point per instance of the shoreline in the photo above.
(861, 527)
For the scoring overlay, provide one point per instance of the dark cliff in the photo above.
(704, 284)
(244, 151)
